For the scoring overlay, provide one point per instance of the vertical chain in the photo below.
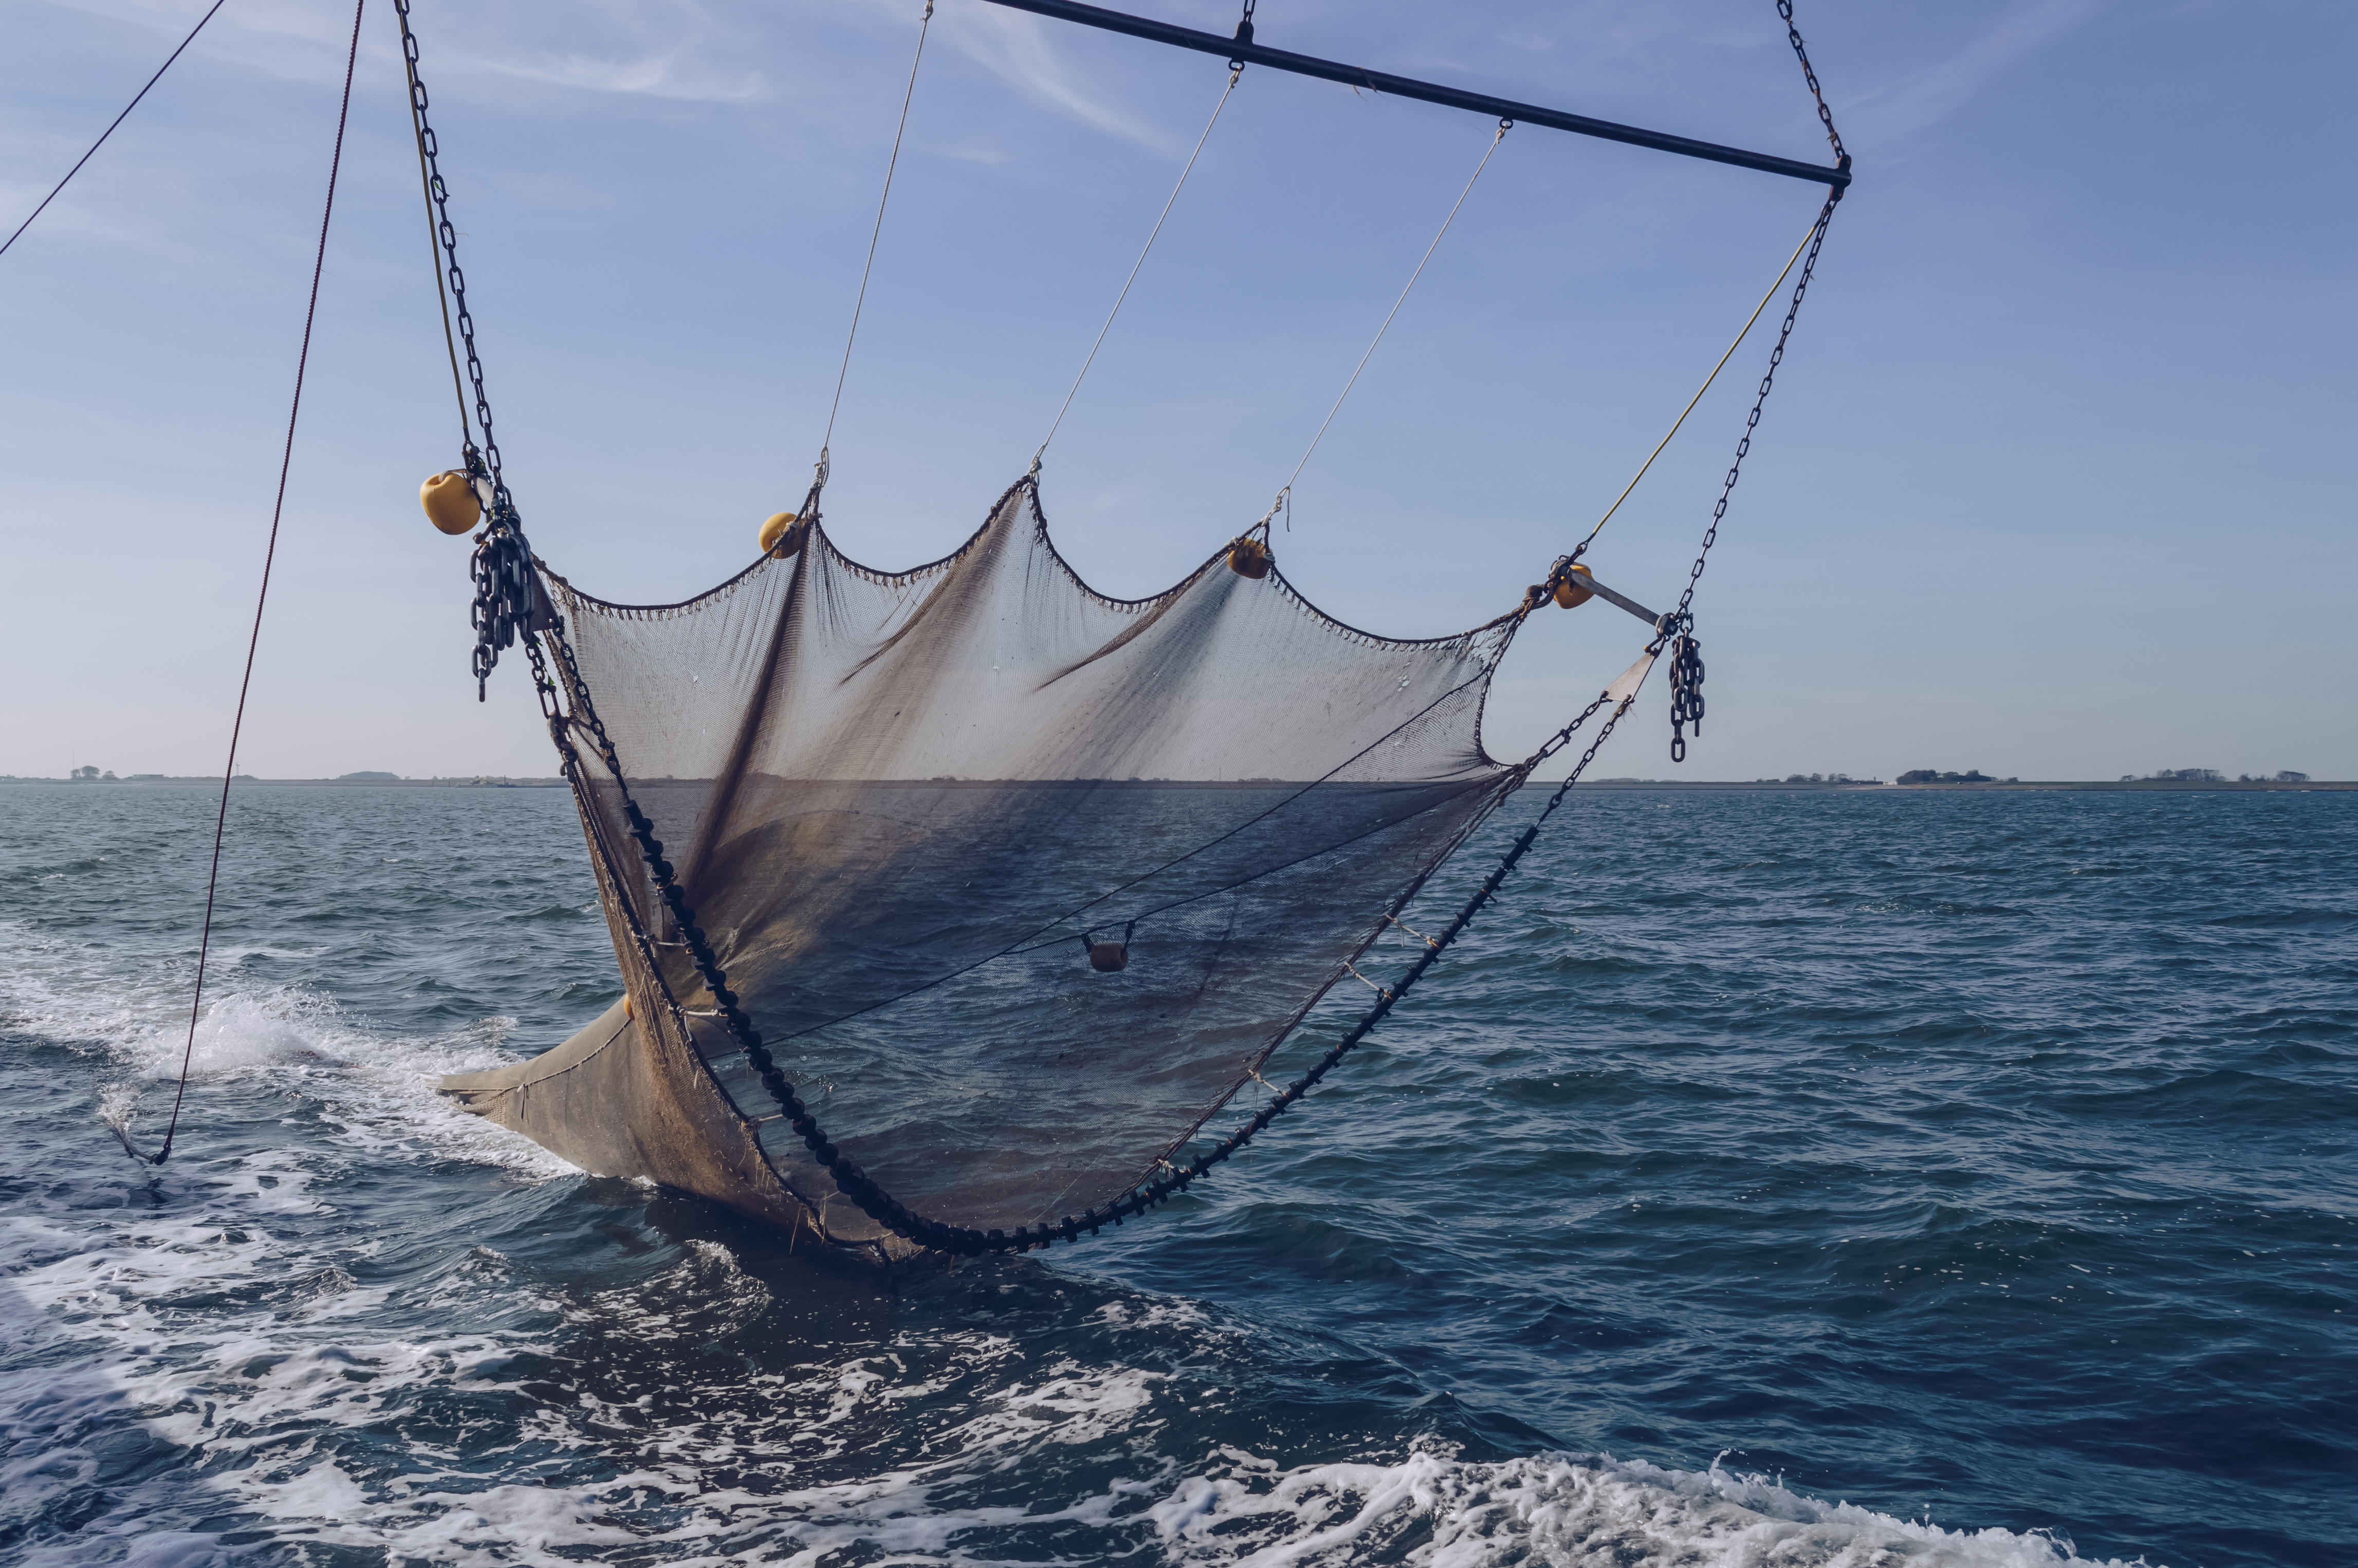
(488, 458)
(1825, 115)
(507, 593)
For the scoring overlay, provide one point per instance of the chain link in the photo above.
(1686, 688)
(510, 599)
(507, 598)
(1825, 115)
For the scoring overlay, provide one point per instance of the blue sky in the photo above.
(2052, 485)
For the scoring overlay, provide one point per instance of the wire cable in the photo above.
(269, 555)
(1065, 407)
(1285, 491)
(1690, 408)
(859, 304)
(85, 157)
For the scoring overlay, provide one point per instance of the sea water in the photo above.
(1785, 1178)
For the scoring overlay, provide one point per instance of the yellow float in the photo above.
(782, 535)
(1570, 594)
(450, 502)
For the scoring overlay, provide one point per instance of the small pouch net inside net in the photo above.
(1019, 883)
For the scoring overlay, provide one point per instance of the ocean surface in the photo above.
(1777, 1178)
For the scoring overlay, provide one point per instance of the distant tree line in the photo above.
(2213, 775)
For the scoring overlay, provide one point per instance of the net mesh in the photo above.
(902, 805)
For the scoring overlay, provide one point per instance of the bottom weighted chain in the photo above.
(1686, 688)
(570, 709)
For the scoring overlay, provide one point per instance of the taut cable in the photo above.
(1285, 491)
(269, 555)
(85, 157)
(874, 234)
(1665, 441)
(1152, 234)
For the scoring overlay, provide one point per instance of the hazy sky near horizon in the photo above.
(2052, 485)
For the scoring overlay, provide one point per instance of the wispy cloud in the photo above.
(671, 52)
(1921, 99)
(1015, 48)
(672, 73)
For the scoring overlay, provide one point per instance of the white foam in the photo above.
(1576, 1511)
(260, 1388)
(288, 1351)
(377, 1089)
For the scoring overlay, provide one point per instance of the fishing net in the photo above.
(920, 816)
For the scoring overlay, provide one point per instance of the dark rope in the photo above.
(85, 157)
(269, 555)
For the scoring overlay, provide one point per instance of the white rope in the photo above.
(893, 163)
(1286, 489)
(1066, 405)
(1690, 408)
(1413, 931)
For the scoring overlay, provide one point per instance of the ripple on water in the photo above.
(1981, 1160)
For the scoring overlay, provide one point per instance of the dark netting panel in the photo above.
(900, 802)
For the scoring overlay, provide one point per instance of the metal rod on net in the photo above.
(1620, 600)
(1429, 92)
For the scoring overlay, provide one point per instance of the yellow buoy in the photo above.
(450, 502)
(628, 1011)
(1249, 557)
(782, 535)
(1569, 595)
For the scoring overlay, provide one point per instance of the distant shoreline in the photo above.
(480, 780)
(2214, 786)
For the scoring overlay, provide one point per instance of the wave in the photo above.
(377, 1087)
(1572, 1510)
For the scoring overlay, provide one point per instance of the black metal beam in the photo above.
(1244, 49)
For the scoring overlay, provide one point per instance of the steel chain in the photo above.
(1825, 115)
(505, 594)
(509, 600)
(856, 1184)
(1686, 688)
